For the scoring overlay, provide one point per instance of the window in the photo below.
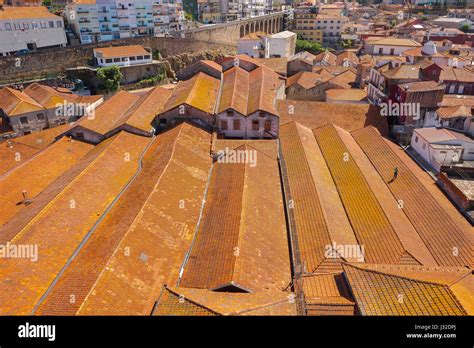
(230, 113)
(424, 146)
(24, 120)
(59, 24)
(261, 114)
(268, 125)
(236, 125)
(116, 60)
(8, 26)
(392, 51)
(17, 26)
(139, 57)
(223, 125)
(380, 50)
(43, 25)
(34, 25)
(255, 125)
(26, 25)
(416, 139)
(40, 117)
(108, 60)
(51, 24)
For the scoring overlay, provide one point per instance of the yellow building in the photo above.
(305, 25)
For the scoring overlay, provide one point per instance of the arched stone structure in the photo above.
(252, 27)
(242, 31)
(247, 29)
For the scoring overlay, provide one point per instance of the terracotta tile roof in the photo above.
(33, 176)
(14, 102)
(42, 139)
(88, 265)
(110, 114)
(121, 51)
(50, 97)
(346, 94)
(305, 56)
(370, 223)
(248, 92)
(457, 100)
(403, 72)
(422, 86)
(149, 106)
(26, 12)
(344, 80)
(456, 74)
(311, 223)
(13, 154)
(446, 240)
(279, 65)
(131, 283)
(307, 79)
(348, 55)
(454, 111)
(327, 294)
(186, 301)
(248, 249)
(392, 41)
(64, 222)
(317, 114)
(408, 290)
(326, 57)
(268, 147)
(200, 92)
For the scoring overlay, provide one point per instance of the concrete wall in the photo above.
(54, 61)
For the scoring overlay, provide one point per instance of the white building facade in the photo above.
(29, 28)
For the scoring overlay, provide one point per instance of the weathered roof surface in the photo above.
(307, 79)
(87, 266)
(305, 56)
(312, 190)
(457, 100)
(200, 92)
(317, 114)
(63, 223)
(327, 294)
(26, 12)
(14, 102)
(447, 241)
(153, 248)
(142, 114)
(370, 223)
(351, 94)
(33, 175)
(121, 51)
(13, 154)
(187, 301)
(42, 139)
(268, 147)
(344, 80)
(422, 86)
(410, 72)
(393, 41)
(410, 290)
(326, 57)
(279, 65)
(50, 97)
(242, 238)
(248, 92)
(110, 114)
(454, 111)
(457, 74)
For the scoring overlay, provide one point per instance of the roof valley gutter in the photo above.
(196, 231)
(94, 227)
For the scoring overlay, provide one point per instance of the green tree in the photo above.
(110, 77)
(305, 45)
(188, 16)
(465, 28)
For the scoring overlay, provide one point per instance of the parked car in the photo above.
(22, 52)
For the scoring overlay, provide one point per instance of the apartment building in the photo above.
(103, 20)
(29, 28)
(305, 23)
(219, 11)
(331, 26)
(168, 15)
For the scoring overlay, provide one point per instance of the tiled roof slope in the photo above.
(200, 92)
(42, 139)
(446, 240)
(14, 102)
(64, 222)
(110, 114)
(312, 225)
(248, 92)
(327, 294)
(187, 301)
(159, 237)
(408, 290)
(370, 224)
(84, 270)
(33, 175)
(13, 154)
(242, 237)
(317, 114)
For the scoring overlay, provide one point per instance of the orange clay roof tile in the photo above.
(121, 51)
(14, 102)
